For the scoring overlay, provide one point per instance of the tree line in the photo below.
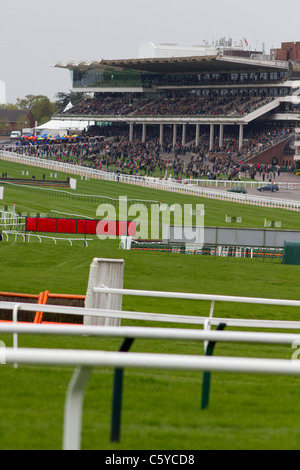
(42, 107)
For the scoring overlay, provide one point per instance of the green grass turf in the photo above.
(161, 409)
(29, 200)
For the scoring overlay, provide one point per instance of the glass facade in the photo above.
(93, 78)
(126, 78)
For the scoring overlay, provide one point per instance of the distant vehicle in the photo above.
(237, 190)
(269, 187)
(15, 135)
(28, 131)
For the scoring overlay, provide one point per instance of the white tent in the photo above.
(62, 127)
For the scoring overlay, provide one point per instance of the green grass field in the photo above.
(161, 409)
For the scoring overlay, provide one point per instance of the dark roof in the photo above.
(15, 115)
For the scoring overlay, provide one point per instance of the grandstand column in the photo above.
(241, 136)
(161, 134)
(144, 133)
(211, 140)
(174, 135)
(131, 132)
(183, 134)
(221, 136)
(197, 134)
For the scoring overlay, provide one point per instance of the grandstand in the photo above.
(215, 101)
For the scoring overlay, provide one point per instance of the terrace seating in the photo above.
(190, 105)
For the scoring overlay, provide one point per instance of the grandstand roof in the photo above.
(215, 63)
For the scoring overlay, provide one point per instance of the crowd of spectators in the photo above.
(191, 105)
(209, 106)
(116, 153)
(106, 105)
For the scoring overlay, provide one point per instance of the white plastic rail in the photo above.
(85, 360)
(150, 333)
(163, 317)
(192, 296)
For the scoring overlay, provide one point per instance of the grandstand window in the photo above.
(263, 76)
(253, 77)
(98, 78)
(86, 78)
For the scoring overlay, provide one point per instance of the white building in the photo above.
(149, 50)
(2, 92)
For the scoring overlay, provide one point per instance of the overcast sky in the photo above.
(36, 34)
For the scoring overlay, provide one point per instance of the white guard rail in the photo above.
(150, 333)
(16, 307)
(154, 183)
(85, 360)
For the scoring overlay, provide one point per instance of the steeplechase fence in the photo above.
(110, 296)
(233, 251)
(42, 226)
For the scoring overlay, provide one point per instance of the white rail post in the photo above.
(110, 273)
(15, 335)
(206, 325)
(73, 409)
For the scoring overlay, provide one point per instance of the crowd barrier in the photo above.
(186, 187)
(26, 237)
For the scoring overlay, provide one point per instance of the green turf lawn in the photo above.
(161, 409)
(76, 202)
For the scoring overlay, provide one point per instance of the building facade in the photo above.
(217, 91)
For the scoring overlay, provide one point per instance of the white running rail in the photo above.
(154, 183)
(84, 361)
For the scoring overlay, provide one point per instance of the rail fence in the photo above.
(84, 361)
(187, 187)
(26, 237)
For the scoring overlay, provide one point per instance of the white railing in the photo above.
(17, 307)
(154, 183)
(84, 361)
(26, 237)
(192, 296)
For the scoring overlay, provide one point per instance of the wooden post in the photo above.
(110, 273)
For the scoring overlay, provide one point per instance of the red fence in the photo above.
(80, 226)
